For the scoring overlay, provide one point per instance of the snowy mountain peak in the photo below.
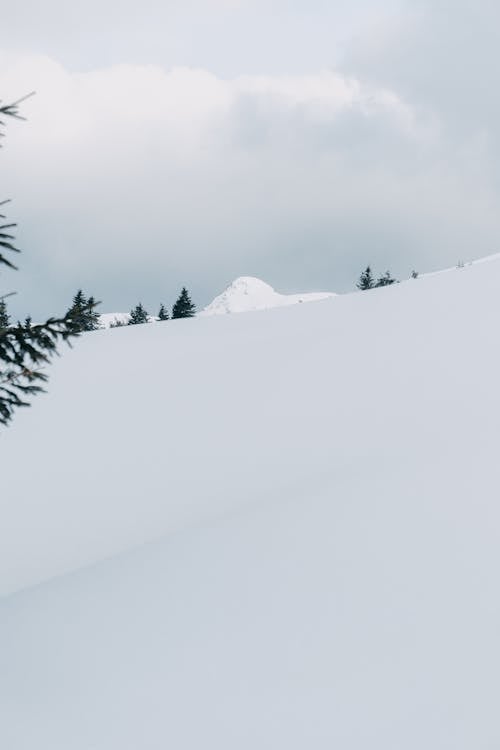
(249, 285)
(249, 293)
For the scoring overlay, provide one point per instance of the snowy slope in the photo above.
(243, 295)
(107, 319)
(322, 482)
(248, 293)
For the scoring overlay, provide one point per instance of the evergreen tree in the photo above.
(76, 311)
(385, 280)
(92, 317)
(414, 274)
(138, 315)
(366, 280)
(4, 315)
(163, 314)
(82, 313)
(24, 348)
(183, 308)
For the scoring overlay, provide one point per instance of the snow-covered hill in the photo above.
(243, 295)
(248, 293)
(277, 531)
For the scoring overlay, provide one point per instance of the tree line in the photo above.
(183, 307)
(85, 317)
(82, 314)
(368, 281)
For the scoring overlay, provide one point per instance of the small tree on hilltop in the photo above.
(366, 280)
(183, 308)
(138, 316)
(163, 314)
(93, 318)
(385, 280)
(4, 315)
(83, 314)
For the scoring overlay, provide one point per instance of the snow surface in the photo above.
(106, 319)
(248, 293)
(322, 484)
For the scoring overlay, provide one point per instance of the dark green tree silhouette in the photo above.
(4, 315)
(138, 316)
(366, 280)
(183, 307)
(163, 313)
(385, 280)
(83, 313)
(93, 317)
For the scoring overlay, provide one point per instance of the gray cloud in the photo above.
(229, 37)
(442, 57)
(133, 180)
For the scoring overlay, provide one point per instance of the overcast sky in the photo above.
(191, 142)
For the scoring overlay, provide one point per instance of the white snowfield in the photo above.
(322, 483)
(248, 293)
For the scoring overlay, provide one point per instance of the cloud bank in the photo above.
(132, 180)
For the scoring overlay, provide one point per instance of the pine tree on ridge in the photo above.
(163, 313)
(385, 280)
(184, 307)
(82, 313)
(4, 315)
(366, 280)
(138, 315)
